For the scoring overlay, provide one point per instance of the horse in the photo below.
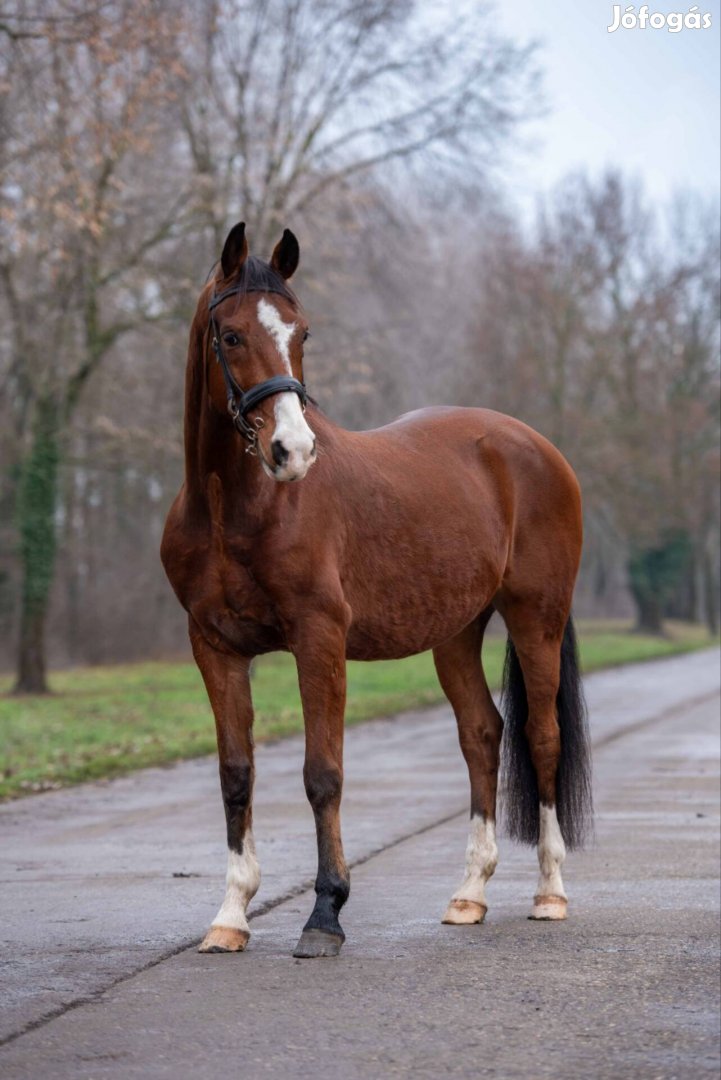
(292, 533)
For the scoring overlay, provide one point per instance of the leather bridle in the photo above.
(241, 402)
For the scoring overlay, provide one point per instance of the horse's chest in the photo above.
(228, 606)
(239, 619)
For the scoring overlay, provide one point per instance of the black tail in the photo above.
(574, 804)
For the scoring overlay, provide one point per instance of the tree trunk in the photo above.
(653, 575)
(711, 589)
(37, 496)
(645, 592)
(649, 618)
(31, 673)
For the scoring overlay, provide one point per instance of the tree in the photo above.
(293, 99)
(660, 358)
(84, 93)
(600, 327)
(133, 130)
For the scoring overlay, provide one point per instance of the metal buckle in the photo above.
(252, 436)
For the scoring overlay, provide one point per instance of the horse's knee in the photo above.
(323, 785)
(236, 782)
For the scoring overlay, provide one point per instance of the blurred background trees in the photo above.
(599, 325)
(133, 133)
(83, 92)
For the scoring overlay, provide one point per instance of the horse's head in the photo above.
(257, 330)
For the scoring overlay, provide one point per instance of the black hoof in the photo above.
(317, 943)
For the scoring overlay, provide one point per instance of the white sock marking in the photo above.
(481, 860)
(242, 881)
(551, 854)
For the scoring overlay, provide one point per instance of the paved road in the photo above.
(628, 987)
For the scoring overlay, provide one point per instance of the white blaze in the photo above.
(242, 881)
(290, 427)
(281, 332)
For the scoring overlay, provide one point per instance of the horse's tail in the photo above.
(574, 805)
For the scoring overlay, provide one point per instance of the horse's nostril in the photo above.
(280, 454)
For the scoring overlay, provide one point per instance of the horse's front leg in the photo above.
(319, 648)
(227, 680)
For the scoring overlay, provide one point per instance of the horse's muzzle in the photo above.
(292, 448)
(291, 467)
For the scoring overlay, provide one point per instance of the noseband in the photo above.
(241, 402)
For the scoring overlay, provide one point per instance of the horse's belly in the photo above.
(422, 570)
(369, 641)
(408, 617)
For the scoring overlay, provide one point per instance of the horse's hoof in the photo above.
(224, 939)
(549, 908)
(318, 943)
(464, 913)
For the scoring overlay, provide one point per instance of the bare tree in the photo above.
(293, 98)
(601, 329)
(132, 130)
(660, 363)
(79, 219)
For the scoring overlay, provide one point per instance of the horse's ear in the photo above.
(286, 255)
(235, 250)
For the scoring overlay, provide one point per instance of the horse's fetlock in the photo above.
(332, 884)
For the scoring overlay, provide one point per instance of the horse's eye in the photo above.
(306, 335)
(231, 339)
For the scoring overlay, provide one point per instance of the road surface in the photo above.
(107, 887)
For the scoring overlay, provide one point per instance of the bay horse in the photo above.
(291, 533)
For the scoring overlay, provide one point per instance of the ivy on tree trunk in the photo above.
(36, 502)
(653, 574)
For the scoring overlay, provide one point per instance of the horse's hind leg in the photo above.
(532, 684)
(458, 663)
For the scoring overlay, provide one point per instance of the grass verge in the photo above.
(105, 721)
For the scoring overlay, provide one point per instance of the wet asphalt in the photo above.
(106, 887)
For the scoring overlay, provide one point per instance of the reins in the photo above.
(241, 402)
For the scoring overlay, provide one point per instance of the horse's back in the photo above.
(458, 423)
(436, 507)
(522, 465)
(530, 484)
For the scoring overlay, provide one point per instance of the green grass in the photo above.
(104, 721)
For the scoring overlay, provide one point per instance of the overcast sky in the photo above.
(644, 100)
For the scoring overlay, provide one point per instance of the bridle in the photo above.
(241, 402)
